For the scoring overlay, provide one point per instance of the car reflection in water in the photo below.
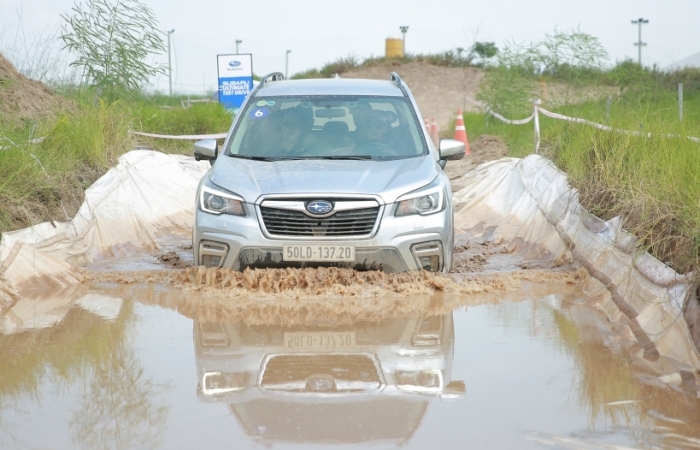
(360, 383)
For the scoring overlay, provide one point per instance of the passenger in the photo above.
(370, 125)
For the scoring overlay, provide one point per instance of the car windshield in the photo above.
(330, 127)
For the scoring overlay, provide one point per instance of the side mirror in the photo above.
(206, 149)
(451, 149)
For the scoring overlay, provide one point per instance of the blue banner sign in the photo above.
(235, 79)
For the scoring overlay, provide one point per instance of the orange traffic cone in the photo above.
(461, 132)
(434, 133)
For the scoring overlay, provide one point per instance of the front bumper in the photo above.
(240, 243)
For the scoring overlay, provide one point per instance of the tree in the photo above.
(112, 40)
(509, 84)
(573, 50)
(484, 50)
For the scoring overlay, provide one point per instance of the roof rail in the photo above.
(396, 79)
(274, 76)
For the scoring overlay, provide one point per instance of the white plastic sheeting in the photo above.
(146, 196)
(527, 203)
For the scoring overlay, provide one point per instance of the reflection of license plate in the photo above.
(319, 340)
(318, 252)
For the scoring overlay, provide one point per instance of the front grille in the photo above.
(282, 222)
(348, 372)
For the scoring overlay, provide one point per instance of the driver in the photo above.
(294, 130)
(370, 125)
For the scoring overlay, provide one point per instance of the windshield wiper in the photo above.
(352, 157)
(297, 158)
(266, 158)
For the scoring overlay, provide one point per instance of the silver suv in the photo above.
(326, 172)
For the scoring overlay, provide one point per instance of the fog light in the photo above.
(428, 255)
(211, 260)
(212, 254)
(426, 381)
(430, 263)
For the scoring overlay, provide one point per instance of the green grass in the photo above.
(38, 182)
(199, 118)
(654, 182)
(519, 138)
(35, 180)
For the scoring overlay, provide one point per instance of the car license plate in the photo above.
(318, 252)
(314, 340)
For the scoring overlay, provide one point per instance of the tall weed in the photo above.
(652, 181)
(95, 136)
(46, 181)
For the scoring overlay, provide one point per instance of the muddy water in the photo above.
(149, 365)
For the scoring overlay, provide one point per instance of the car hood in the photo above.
(388, 179)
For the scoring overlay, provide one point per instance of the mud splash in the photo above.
(275, 284)
(322, 296)
(172, 259)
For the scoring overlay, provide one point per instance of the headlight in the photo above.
(220, 202)
(422, 205)
(426, 201)
(216, 383)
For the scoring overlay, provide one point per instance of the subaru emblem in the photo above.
(234, 63)
(319, 207)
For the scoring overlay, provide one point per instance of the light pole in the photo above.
(639, 42)
(404, 29)
(238, 41)
(286, 65)
(170, 66)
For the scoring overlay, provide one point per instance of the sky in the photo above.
(318, 32)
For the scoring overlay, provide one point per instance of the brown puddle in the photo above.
(516, 364)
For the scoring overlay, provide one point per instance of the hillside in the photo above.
(439, 91)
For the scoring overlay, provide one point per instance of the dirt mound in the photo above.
(25, 99)
(439, 91)
(484, 148)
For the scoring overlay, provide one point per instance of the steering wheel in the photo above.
(374, 149)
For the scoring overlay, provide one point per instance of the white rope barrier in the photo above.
(184, 137)
(535, 116)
